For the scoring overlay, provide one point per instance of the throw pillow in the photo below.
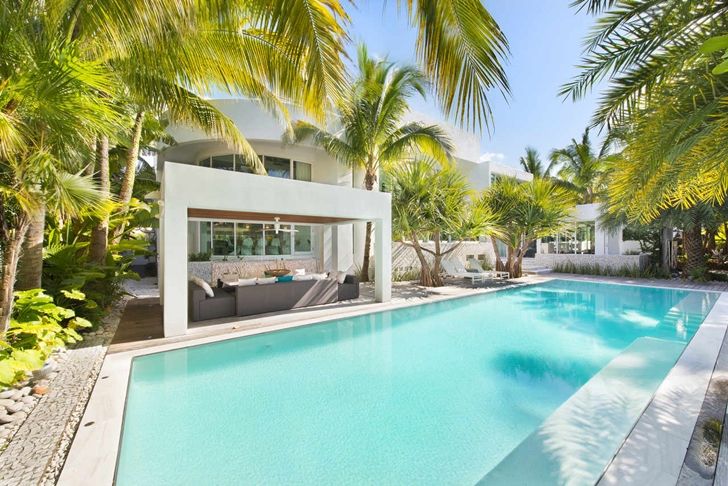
(300, 271)
(244, 282)
(320, 276)
(205, 286)
(341, 277)
(301, 278)
(286, 278)
(265, 281)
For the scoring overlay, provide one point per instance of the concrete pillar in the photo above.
(383, 260)
(335, 249)
(174, 270)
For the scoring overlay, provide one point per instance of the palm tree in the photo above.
(662, 92)
(532, 164)
(373, 135)
(429, 202)
(523, 212)
(582, 170)
(51, 106)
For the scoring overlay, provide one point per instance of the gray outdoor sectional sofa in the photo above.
(259, 299)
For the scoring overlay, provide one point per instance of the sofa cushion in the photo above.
(266, 280)
(340, 277)
(205, 286)
(302, 278)
(320, 276)
(242, 282)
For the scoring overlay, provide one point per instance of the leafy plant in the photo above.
(627, 271)
(699, 274)
(36, 327)
(203, 256)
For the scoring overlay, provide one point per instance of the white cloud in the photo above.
(492, 157)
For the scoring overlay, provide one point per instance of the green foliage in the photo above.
(203, 256)
(405, 275)
(699, 274)
(37, 326)
(628, 271)
(719, 43)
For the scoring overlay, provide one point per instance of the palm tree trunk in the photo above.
(100, 232)
(11, 254)
(436, 277)
(693, 246)
(499, 267)
(369, 180)
(30, 263)
(425, 272)
(132, 156)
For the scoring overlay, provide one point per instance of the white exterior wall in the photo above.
(187, 186)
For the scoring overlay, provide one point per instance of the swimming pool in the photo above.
(453, 392)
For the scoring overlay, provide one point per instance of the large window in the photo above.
(227, 239)
(274, 166)
(277, 167)
(302, 171)
(580, 238)
(302, 239)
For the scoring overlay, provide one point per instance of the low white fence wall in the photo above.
(404, 257)
(610, 261)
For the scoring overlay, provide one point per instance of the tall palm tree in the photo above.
(522, 213)
(373, 135)
(532, 164)
(581, 170)
(50, 109)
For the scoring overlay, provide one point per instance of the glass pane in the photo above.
(567, 242)
(223, 242)
(302, 171)
(205, 236)
(548, 244)
(224, 162)
(303, 239)
(249, 239)
(502, 249)
(242, 165)
(277, 244)
(278, 167)
(204, 162)
(585, 237)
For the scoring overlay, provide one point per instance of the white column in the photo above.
(383, 260)
(335, 248)
(175, 269)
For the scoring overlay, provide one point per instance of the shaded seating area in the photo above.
(259, 298)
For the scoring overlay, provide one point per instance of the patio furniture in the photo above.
(201, 307)
(476, 265)
(448, 270)
(232, 299)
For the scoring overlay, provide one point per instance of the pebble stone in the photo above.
(25, 391)
(3, 412)
(15, 407)
(4, 402)
(6, 394)
(4, 433)
(6, 419)
(16, 396)
(29, 400)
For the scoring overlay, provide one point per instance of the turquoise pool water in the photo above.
(434, 394)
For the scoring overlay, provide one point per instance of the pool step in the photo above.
(531, 269)
(576, 442)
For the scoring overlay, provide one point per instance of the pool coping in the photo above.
(93, 455)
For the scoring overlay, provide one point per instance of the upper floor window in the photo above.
(274, 166)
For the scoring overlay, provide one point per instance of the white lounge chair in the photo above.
(476, 265)
(449, 271)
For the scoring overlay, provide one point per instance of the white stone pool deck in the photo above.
(652, 454)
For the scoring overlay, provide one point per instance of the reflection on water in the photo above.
(521, 366)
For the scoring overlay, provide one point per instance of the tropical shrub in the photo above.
(628, 271)
(37, 326)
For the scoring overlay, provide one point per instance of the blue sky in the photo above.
(545, 37)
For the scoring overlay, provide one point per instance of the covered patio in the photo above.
(192, 192)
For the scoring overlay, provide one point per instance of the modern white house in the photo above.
(309, 213)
